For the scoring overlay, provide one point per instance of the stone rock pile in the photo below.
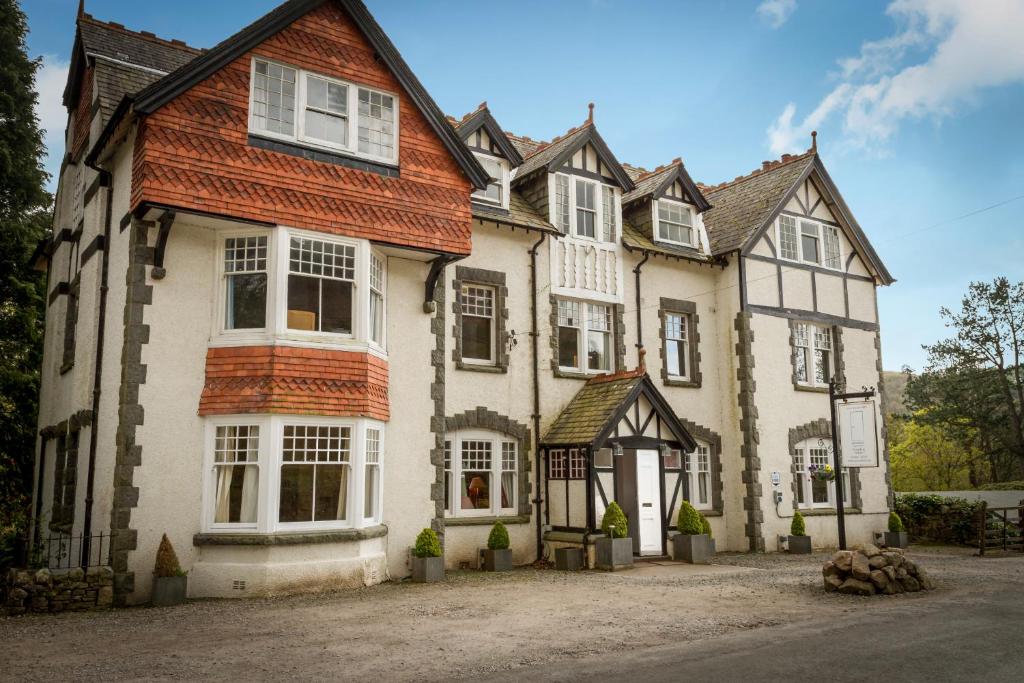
(48, 590)
(869, 570)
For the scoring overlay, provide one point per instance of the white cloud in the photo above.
(776, 12)
(51, 77)
(965, 48)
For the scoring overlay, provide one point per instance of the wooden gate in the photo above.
(1000, 528)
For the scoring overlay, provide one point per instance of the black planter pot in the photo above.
(497, 560)
(614, 553)
(800, 545)
(169, 590)
(427, 569)
(692, 548)
(897, 539)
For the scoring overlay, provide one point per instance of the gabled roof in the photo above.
(635, 240)
(745, 207)
(555, 153)
(655, 183)
(482, 118)
(113, 41)
(741, 207)
(167, 88)
(592, 414)
(520, 214)
(114, 81)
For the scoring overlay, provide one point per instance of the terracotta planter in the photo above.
(427, 569)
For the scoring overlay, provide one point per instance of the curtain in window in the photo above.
(234, 506)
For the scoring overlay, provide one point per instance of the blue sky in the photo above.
(917, 102)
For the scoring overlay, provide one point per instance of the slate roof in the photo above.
(636, 240)
(590, 410)
(521, 214)
(646, 184)
(114, 81)
(741, 207)
(141, 48)
(544, 155)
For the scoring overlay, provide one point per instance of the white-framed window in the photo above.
(809, 241)
(677, 345)
(675, 223)
(810, 457)
(314, 109)
(584, 336)
(481, 474)
(497, 189)
(567, 463)
(270, 473)
(245, 282)
(698, 473)
(478, 324)
(586, 209)
(812, 354)
(298, 285)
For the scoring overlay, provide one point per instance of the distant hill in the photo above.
(895, 390)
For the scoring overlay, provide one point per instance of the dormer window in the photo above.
(585, 208)
(675, 223)
(315, 110)
(497, 190)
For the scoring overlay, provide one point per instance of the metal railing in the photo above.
(1000, 528)
(64, 551)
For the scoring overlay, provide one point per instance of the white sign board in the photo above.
(858, 436)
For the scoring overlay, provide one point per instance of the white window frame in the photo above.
(694, 234)
(276, 330)
(493, 360)
(352, 113)
(453, 469)
(694, 473)
(583, 332)
(502, 181)
(802, 458)
(599, 208)
(687, 326)
(375, 516)
(822, 229)
(813, 335)
(270, 460)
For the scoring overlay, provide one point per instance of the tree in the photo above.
(24, 219)
(973, 385)
(925, 458)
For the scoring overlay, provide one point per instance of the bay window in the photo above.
(317, 289)
(586, 209)
(812, 354)
(675, 223)
(285, 473)
(814, 478)
(584, 341)
(809, 241)
(318, 110)
(481, 474)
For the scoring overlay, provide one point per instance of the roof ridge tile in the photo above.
(143, 35)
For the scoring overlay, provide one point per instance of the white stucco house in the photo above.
(297, 314)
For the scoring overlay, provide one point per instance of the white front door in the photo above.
(648, 497)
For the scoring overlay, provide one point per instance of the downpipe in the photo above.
(538, 501)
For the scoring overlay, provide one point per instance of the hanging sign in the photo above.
(858, 435)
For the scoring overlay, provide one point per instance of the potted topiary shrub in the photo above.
(706, 528)
(799, 541)
(615, 550)
(427, 562)
(170, 583)
(691, 543)
(497, 557)
(896, 536)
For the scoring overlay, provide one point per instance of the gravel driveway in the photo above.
(472, 624)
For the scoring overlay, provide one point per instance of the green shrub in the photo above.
(705, 526)
(689, 520)
(797, 528)
(427, 544)
(895, 523)
(498, 540)
(166, 560)
(937, 518)
(615, 517)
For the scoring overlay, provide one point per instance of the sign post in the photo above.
(856, 422)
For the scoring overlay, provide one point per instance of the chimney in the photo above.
(590, 113)
(814, 141)
(765, 165)
(786, 157)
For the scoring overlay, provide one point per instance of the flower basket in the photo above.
(821, 473)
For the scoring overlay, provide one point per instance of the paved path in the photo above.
(980, 639)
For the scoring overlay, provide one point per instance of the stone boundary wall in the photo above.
(59, 590)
